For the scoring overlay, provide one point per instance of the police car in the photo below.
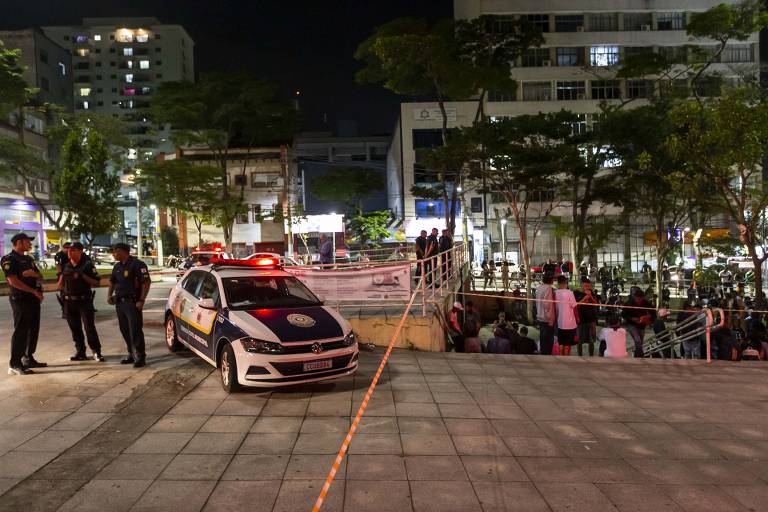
(259, 325)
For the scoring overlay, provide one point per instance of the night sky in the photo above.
(304, 45)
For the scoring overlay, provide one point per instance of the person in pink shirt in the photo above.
(566, 316)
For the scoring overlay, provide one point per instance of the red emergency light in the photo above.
(255, 263)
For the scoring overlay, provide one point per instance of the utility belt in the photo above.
(21, 296)
(127, 298)
(77, 297)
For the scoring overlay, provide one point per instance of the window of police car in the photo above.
(193, 281)
(209, 289)
(255, 292)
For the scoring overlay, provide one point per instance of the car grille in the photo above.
(307, 347)
(297, 367)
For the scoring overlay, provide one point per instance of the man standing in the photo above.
(454, 326)
(326, 250)
(445, 244)
(587, 328)
(421, 252)
(431, 252)
(77, 278)
(566, 316)
(128, 288)
(25, 297)
(61, 258)
(638, 314)
(545, 315)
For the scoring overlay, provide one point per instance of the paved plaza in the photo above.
(443, 432)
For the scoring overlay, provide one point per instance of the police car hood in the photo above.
(291, 324)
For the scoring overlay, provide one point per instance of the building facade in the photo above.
(263, 177)
(575, 69)
(314, 154)
(48, 65)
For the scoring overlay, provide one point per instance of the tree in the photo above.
(370, 227)
(351, 185)
(87, 188)
(525, 156)
(20, 162)
(723, 141)
(446, 61)
(655, 183)
(184, 186)
(218, 113)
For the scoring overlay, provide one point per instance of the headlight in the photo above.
(260, 346)
(350, 339)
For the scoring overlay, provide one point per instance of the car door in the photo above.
(203, 320)
(183, 306)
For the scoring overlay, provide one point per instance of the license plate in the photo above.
(318, 365)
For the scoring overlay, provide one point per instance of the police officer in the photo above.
(128, 288)
(77, 278)
(25, 297)
(61, 258)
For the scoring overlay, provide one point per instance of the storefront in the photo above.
(17, 215)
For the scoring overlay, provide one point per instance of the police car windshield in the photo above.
(255, 292)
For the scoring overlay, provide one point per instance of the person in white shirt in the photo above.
(545, 315)
(615, 338)
(566, 316)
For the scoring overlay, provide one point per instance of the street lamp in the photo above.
(503, 239)
(156, 235)
(333, 238)
(139, 242)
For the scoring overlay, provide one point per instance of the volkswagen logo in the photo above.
(317, 348)
(300, 320)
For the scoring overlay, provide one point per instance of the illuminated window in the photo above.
(129, 64)
(125, 36)
(129, 78)
(127, 52)
(571, 90)
(82, 52)
(602, 56)
(144, 64)
(146, 90)
(62, 69)
(85, 105)
(129, 91)
(81, 39)
(97, 37)
(85, 91)
(142, 37)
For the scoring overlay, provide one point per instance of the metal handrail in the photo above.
(670, 338)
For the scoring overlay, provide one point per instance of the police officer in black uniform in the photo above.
(128, 288)
(25, 297)
(62, 258)
(77, 278)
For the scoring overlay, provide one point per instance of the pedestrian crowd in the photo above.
(76, 274)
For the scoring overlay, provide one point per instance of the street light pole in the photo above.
(139, 244)
(503, 239)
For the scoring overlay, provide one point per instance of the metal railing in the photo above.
(440, 272)
(701, 323)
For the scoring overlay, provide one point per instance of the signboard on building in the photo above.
(433, 114)
(357, 284)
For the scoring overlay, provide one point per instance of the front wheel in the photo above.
(228, 368)
(171, 339)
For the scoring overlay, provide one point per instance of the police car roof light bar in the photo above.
(255, 263)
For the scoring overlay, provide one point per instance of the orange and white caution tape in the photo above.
(361, 410)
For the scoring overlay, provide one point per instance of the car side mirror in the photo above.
(207, 304)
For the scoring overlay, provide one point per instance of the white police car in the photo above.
(259, 325)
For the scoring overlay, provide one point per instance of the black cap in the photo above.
(77, 245)
(21, 236)
(121, 246)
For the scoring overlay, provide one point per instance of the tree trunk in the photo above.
(528, 272)
(757, 261)
(199, 226)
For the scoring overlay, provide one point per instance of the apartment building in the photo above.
(118, 63)
(47, 65)
(575, 69)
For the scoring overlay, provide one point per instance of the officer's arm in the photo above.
(90, 276)
(60, 282)
(17, 283)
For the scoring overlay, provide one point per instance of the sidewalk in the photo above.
(443, 432)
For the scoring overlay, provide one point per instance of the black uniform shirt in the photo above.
(61, 258)
(74, 284)
(14, 264)
(129, 277)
